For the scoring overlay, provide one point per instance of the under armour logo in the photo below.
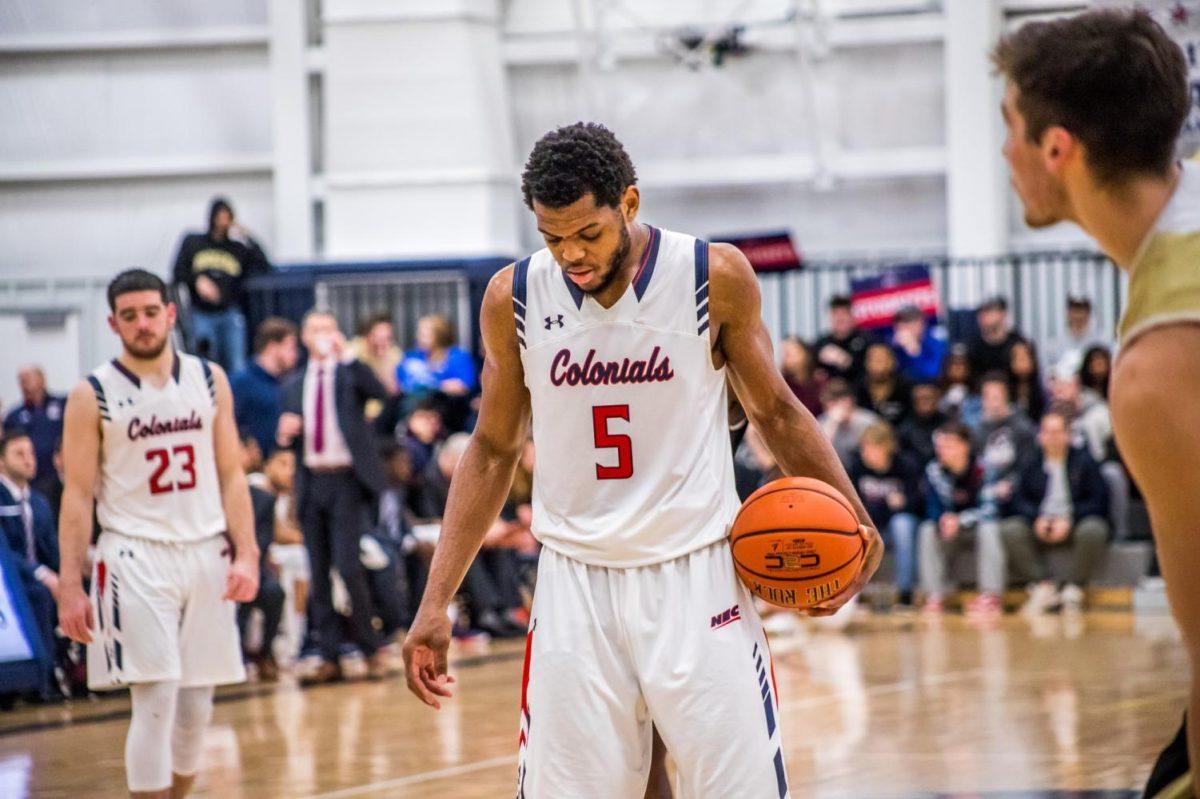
(550, 321)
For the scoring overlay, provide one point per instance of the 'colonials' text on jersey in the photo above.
(609, 373)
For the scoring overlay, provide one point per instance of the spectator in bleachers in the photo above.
(916, 432)
(843, 422)
(491, 587)
(1081, 334)
(1060, 502)
(1095, 370)
(271, 597)
(40, 415)
(395, 524)
(920, 347)
(288, 552)
(375, 345)
(213, 266)
(1091, 427)
(960, 394)
(955, 522)
(798, 366)
(31, 532)
(1025, 379)
(1005, 439)
(889, 484)
(437, 369)
(252, 458)
(257, 389)
(884, 391)
(338, 476)
(421, 433)
(988, 350)
(842, 351)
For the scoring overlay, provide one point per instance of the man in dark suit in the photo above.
(338, 475)
(29, 529)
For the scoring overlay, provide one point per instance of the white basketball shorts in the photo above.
(159, 614)
(612, 651)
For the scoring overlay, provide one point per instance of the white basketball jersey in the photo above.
(630, 423)
(158, 471)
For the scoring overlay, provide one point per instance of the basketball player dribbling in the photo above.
(150, 437)
(616, 341)
(1094, 106)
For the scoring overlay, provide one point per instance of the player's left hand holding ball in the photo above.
(873, 546)
(241, 584)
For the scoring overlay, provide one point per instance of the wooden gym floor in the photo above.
(897, 706)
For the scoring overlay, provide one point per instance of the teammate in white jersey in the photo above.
(150, 436)
(616, 341)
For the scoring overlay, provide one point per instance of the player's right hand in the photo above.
(425, 649)
(75, 614)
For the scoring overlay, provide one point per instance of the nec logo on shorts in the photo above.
(726, 617)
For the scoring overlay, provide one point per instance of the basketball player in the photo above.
(150, 436)
(1093, 106)
(616, 339)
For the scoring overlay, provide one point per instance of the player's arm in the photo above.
(242, 582)
(789, 430)
(81, 460)
(477, 493)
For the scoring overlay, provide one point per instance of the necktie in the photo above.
(27, 520)
(319, 422)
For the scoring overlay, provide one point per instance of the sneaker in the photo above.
(985, 605)
(1042, 599)
(933, 605)
(1072, 599)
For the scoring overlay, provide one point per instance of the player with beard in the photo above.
(150, 438)
(615, 343)
(1093, 108)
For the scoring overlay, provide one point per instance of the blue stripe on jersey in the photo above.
(208, 377)
(642, 279)
(101, 401)
(520, 283)
(701, 286)
(780, 774)
(576, 292)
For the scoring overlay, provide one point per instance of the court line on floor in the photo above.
(249, 691)
(483, 765)
(415, 779)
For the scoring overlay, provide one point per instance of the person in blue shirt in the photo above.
(438, 369)
(919, 348)
(257, 393)
(40, 415)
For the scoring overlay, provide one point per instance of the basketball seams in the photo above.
(835, 497)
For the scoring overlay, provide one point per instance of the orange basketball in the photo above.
(795, 542)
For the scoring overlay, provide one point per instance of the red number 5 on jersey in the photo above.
(606, 440)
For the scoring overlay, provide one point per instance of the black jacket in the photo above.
(354, 383)
(227, 263)
(1089, 494)
(875, 487)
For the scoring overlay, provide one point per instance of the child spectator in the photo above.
(1004, 438)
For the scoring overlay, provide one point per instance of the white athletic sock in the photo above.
(192, 715)
(147, 746)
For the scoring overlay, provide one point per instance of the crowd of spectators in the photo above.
(961, 447)
(968, 447)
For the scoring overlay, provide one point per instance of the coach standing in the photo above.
(338, 476)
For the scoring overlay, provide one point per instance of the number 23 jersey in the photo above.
(158, 473)
(633, 463)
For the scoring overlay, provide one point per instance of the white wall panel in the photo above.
(100, 228)
(41, 17)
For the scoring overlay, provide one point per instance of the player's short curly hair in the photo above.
(576, 160)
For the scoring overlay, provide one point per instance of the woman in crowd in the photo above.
(437, 368)
(1096, 369)
(884, 391)
(960, 399)
(798, 365)
(1025, 380)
